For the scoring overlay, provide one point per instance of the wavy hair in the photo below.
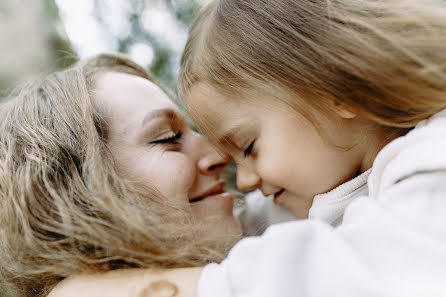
(64, 210)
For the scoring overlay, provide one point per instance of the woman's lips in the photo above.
(214, 206)
(218, 189)
(277, 195)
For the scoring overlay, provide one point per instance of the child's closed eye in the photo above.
(248, 150)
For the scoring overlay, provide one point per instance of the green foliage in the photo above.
(165, 59)
(32, 42)
(61, 50)
(51, 49)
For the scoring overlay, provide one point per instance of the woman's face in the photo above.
(152, 144)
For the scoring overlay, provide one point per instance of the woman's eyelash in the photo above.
(249, 149)
(170, 140)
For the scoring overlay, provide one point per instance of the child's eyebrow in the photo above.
(227, 139)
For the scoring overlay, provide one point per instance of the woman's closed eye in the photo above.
(248, 150)
(172, 139)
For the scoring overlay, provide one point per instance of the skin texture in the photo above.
(152, 144)
(277, 149)
(132, 283)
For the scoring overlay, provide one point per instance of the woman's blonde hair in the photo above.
(63, 208)
(384, 59)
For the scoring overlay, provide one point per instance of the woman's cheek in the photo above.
(177, 173)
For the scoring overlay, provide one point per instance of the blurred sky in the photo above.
(82, 28)
(90, 36)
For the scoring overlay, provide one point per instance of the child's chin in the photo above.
(297, 206)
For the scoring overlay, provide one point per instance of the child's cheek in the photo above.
(270, 169)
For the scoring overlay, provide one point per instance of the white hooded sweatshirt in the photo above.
(390, 243)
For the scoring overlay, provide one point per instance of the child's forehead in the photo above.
(213, 104)
(207, 90)
(214, 113)
(242, 94)
(206, 97)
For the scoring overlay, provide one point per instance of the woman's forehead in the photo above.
(127, 93)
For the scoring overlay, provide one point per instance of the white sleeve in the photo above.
(391, 246)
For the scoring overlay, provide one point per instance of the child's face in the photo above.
(275, 148)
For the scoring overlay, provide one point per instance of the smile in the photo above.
(215, 190)
(277, 194)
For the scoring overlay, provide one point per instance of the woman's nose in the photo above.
(211, 161)
(247, 179)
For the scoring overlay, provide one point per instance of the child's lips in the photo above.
(277, 195)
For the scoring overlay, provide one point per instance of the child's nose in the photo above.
(247, 179)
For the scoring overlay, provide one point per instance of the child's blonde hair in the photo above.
(63, 208)
(384, 59)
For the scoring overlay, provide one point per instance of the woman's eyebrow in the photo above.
(162, 112)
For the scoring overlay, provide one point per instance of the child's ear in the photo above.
(343, 110)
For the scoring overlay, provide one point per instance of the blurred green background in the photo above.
(41, 36)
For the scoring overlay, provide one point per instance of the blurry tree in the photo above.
(160, 25)
(32, 41)
(33, 38)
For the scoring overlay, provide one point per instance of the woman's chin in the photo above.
(223, 233)
(214, 205)
(215, 213)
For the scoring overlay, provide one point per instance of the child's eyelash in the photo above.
(248, 150)
(171, 140)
